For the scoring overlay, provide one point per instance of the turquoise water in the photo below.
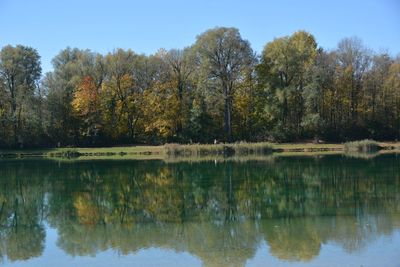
(278, 211)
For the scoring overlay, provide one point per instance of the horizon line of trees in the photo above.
(218, 88)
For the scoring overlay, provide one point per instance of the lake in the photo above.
(273, 211)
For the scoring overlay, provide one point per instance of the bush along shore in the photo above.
(241, 149)
(134, 152)
(264, 148)
(363, 146)
(237, 149)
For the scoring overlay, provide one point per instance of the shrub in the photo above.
(237, 149)
(363, 146)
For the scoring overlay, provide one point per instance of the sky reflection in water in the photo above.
(289, 211)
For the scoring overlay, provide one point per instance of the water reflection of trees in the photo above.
(218, 212)
(22, 210)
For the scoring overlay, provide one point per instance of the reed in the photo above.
(363, 146)
(235, 149)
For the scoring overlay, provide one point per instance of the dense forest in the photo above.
(218, 88)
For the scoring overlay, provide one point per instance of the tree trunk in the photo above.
(180, 96)
(227, 112)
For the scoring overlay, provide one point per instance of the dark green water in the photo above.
(288, 211)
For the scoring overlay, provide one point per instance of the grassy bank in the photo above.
(197, 150)
(128, 152)
(363, 146)
(237, 149)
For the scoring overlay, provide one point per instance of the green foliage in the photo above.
(200, 123)
(364, 146)
(284, 72)
(223, 58)
(71, 66)
(19, 75)
(215, 89)
(235, 149)
(65, 153)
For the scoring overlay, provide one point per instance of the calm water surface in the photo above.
(282, 211)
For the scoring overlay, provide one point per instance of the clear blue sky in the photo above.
(147, 25)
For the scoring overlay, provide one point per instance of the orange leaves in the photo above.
(86, 97)
(161, 108)
(86, 211)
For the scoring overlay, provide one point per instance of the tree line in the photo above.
(218, 88)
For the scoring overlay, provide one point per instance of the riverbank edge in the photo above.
(164, 151)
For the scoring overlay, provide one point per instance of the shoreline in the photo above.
(162, 151)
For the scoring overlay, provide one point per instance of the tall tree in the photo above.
(70, 66)
(353, 62)
(284, 72)
(222, 54)
(87, 106)
(161, 120)
(19, 73)
(391, 105)
(372, 99)
(182, 67)
(121, 97)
